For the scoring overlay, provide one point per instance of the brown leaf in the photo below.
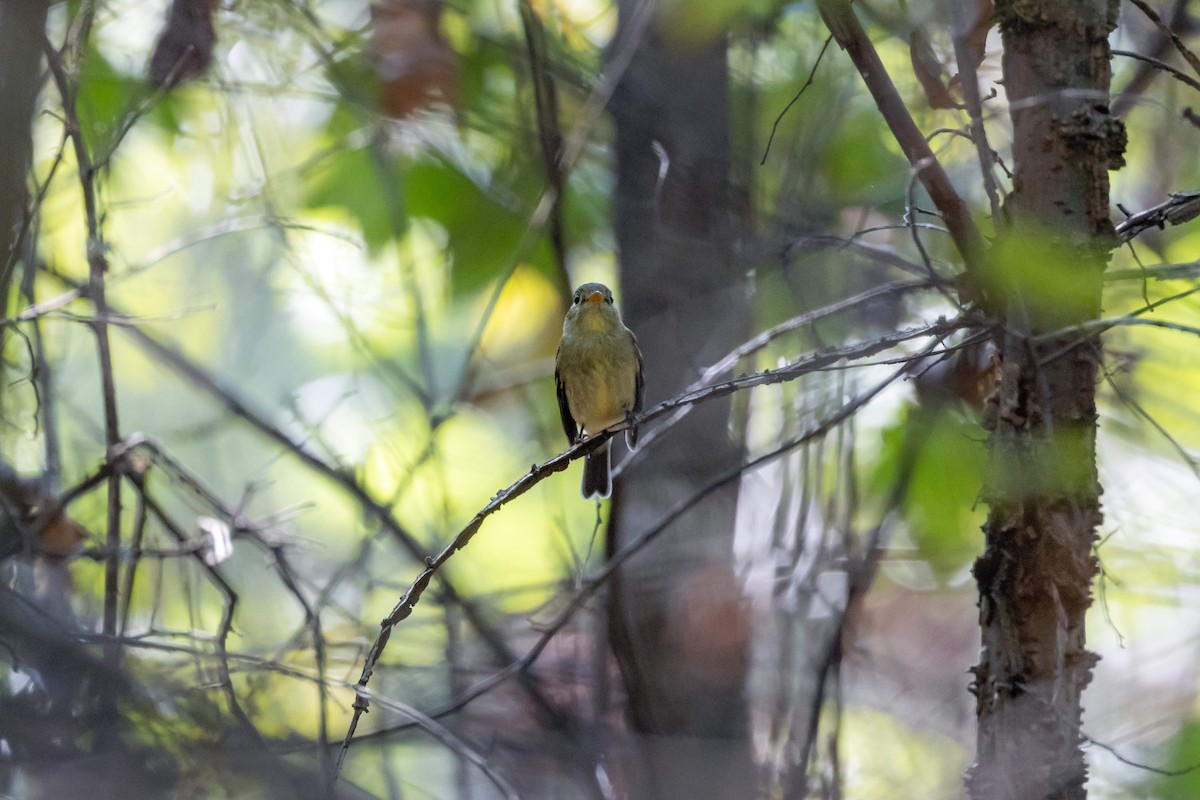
(59, 537)
(415, 64)
(35, 511)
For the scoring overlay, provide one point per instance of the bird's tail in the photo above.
(596, 482)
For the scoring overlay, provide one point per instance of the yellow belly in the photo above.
(601, 390)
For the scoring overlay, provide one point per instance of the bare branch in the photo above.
(408, 601)
(969, 80)
(451, 741)
(1162, 66)
(814, 362)
(1160, 272)
(1180, 208)
(545, 101)
(848, 31)
(636, 545)
(1166, 30)
(1131, 93)
(97, 267)
(807, 83)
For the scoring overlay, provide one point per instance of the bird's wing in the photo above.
(639, 380)
(564, 409)
(639, 385)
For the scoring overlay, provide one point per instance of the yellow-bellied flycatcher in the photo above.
(598, 373)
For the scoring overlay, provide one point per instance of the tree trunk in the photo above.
(1043, 492)
(676, 617)
(22, 23)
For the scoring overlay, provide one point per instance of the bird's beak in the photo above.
(595, 297)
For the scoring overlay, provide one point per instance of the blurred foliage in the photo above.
(940, 456)
(1184, 780)
(376, 286)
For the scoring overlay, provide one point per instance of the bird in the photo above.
(598, 378)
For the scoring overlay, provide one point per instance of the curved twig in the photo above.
(538, 472)
(848, 31)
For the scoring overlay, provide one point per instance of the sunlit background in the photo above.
(379, 289)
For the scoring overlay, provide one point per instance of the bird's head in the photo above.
(592, 293)
(592, 306)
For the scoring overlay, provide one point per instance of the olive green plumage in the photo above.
(598, 373)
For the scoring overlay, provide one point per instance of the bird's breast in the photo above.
(599, 374)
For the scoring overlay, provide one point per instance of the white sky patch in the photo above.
(126, 31)
(331, 278)
(346, 409)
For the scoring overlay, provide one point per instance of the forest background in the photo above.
(283, 284)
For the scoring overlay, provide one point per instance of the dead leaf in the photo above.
(59, 536)
(37, 515)
(415, 64)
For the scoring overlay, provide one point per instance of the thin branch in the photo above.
(639, 543)
(1160, 272)
(135, 554)
(848, 31)
(1101, 325)
(807, 83)
(814, 362)
(1169, 773)
(228, 608)
(229, 226)
(43, 382)
(1184, 454)
(969, 81)
(538, 472)
(1125, 99)
(1162, 66)
(451, 741)
(545, 102)
(97, 267)
(1092, 328)
(910, 220)
(1181, 207)
(1166, 30)
(880, 254)
(761, 340)
(32, 207)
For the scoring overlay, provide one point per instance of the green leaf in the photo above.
(358, 181)
(861, 166)
(484, 233)
(1185, 753)
(943, 456)
(106, 97)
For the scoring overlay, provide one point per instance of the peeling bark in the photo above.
(1043, 491)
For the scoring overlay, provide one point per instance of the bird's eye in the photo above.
(608, 300)
(576, 300)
